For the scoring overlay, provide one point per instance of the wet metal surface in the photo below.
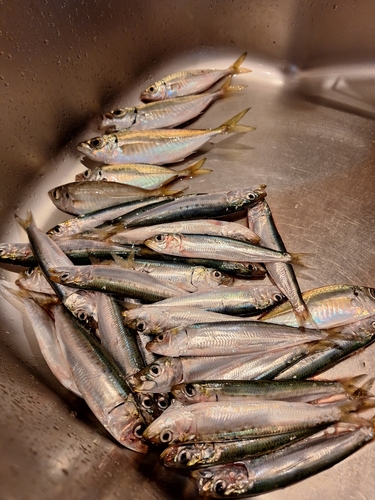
(312, 102)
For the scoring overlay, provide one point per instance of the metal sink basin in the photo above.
(311, 93)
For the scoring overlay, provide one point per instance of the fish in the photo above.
(158, 146)
(77, 198)
(330, 306)
(114, 280)
(100, 382)
(140, 175)
(190, 82)
(220, 421)
(165, 113)
(282, 274)
(308, 391)
(225, 338)
(216, 248)
(198, 206)
(206, 454)
(91, 220)
(281, 468)
(236, 300)
(34, 280)
(213, 227)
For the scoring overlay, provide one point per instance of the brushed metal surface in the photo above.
(311, 94)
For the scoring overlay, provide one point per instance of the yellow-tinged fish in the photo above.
(157, 146)
(190, 82)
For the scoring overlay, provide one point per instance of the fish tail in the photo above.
(362, 391)
(235, 68)
(170, 192)
(231, 126)
(227, 88)
(195, 169)
(349, 410)
(297, 259)
(8, 292)
(25, 223)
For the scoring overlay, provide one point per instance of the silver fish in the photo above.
(157, 146)
(190, 82)
(166, 113)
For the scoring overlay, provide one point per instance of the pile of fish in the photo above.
(149, 304)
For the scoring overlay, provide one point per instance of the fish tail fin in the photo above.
(25, 223)
(171, 192)
(236, 66)
(195, 169)
(227, 88)
(358, 391)
(127, 263)
(230, 126)
(349, 410)
(297, 259)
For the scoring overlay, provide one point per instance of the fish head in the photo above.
(163, 401)
(89, 175)
(138, 320)
(224, 480)
(66, 275)
(62, 198)
(210, 277)
(175, 424)
(126, 426)
(169, 343)
(165, 242)
(155, 92)
(193, 393)
(118, 119)
(186, 455)
(99, 148)
(363, 300)
(246, 197)
(158, 376)
(82, 304)
(60, 231)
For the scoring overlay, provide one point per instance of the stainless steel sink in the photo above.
(311, 93)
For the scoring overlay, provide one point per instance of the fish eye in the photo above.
(147, 402)
(151, 89)
(372, 292)
(2, 251)
(166, 436)
(82, 315)
(355, 291)
(217, 274)
(97, 142)
(155, 370)
(373, 324)
(55, 193)
(65, 276)
(160, 237)
(141, 326)
(251, 196)
(160, 337)
(117, 112)
(163, 403)
(190, 390)
(139, 430)
(184, 456)
(30, 272)
(57, 229)
(277, 297)
(220, 486)
(86, 173)
(251, 267)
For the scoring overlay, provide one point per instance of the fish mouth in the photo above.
(83, 147)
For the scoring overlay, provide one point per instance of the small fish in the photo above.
(166, 113)
(282, 274)
(157, 146)
(211, 227)
(227, 421)
(281, 468)
(330, 306)
(79, 198)
(34, 280)
(99, 381)
(226, 338)
(200, 454)
(143, 176)
(236, 300)
(281, 390)
(190, 82)
(215, 247)
(114, 280)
